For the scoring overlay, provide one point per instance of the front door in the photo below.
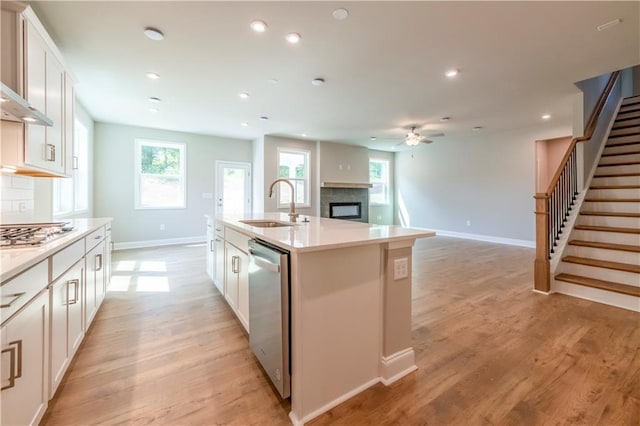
(233, 188)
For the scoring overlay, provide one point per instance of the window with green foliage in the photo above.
(293, 165)
(71, 195)
(160, 175)
(379, 177)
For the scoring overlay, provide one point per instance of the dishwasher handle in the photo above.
(264, 263)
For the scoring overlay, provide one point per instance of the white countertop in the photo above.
(16, 260)
(322, 233)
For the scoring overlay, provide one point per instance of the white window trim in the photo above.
(307, 178)
(183, 163)
(388, 183)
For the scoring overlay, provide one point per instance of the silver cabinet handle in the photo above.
(15, 296)
(235, 264)
(12, 367)
(76, 285)
(99, 261)
(75, 163)
(218, 229)
(211, 246)
(51, 152)
(97, 237)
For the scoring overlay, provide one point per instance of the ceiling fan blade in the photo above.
(427, 141)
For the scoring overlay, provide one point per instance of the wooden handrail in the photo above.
(588, 132)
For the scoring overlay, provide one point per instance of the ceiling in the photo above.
(383, 66)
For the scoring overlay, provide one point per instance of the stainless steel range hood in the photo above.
(16, 108)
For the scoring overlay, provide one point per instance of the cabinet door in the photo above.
(231, 275)
(70, 156)
(211, 249)
(107, 259)
(25, 360)
(75, 325)
(98, 254)
(243, 290)
(89, 289)
(54, 153)
(219, 264)
(35, 89)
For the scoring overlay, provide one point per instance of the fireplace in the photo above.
(345, 203)
(345, 210)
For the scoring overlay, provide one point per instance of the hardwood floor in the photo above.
(488, 349)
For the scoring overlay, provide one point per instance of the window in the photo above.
(71, 195)
(379, 177)
(160, 175)
(294, 166)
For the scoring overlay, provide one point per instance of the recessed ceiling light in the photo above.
(29, 119)
(293, 38)
(451, 73)
(340, 14)
(245, 124)
(445, 119)
(154, 99)
(304, 135)
(264, 118)
(546, 116)
(153, 75)
(272, 81)
(317, 81)
(154, 110)
(153, 34)
(244, 95)
(258, 26)
(608, 25)
(373, 138)
(476, 128)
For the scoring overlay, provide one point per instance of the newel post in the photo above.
(542, 270)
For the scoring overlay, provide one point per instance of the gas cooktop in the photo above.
(31, 234)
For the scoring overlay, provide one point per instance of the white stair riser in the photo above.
(606, 237)
(623, 301)
(617, 193)
(621, 277)
(611, 207)
(633, 168)
(615, 221)
(618, 180)
(620, 159)
(621, 149)
(604, 254)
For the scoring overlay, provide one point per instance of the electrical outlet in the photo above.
(162, 227)
(400, 268)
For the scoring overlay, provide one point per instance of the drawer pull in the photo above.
(12, 367)
(76, 285)
(97, 237)
(211, 246)
(14, 296)
(99, 261)
(51, 152)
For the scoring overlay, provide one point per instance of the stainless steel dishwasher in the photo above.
(269, 311)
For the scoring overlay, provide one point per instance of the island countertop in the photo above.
(321, 233)
(13, 261)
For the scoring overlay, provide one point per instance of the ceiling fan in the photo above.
(413, 138)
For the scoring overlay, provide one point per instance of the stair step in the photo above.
(631, 100)
(626, 115)
(623, 140)
(600, 284)
(631, 147)
(627, 131)
(615, 154)
(607, 246)
(616, 214)
(620, 163)
(612, 200)
(614, 187)
(626, 123)
(603, 264)
(629, 108)
(608, 175)
(607, 229)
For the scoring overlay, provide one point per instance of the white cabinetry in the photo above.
(237, 274)
(66, 321)
(25, 360)
(211, 258)
(70, 155)
(95, 283)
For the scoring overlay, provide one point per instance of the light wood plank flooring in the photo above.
(489, 351)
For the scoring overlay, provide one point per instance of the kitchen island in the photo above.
(350, 305)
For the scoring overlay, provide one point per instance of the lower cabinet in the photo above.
(211, 250)
(237, 282)
(95, 286)
(25, 361)
(218, 270)
(66, 324)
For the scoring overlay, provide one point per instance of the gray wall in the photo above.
(488, 179)
(384, 214)
(591, 89)
(636, 80)
(114, 181)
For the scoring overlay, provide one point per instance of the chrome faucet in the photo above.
(292, 213)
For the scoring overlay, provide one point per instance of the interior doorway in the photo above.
(233, 188)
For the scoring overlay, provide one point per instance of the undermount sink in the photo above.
(265, 223)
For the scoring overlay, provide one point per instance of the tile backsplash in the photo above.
(16, 198)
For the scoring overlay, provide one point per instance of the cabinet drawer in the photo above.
(65, 258)
(17, 292)
(94, 238)
(238, 239)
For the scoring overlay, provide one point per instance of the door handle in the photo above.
(15, 297)
(12, 367)
(264, 263)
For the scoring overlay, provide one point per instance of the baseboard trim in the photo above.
(396, 366)
(342, 398)
(486, 238)
(546, 293)
(158, 243)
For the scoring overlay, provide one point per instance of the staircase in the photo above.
(602, 258)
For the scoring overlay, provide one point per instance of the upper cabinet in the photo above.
(35, 70)
(343, 163)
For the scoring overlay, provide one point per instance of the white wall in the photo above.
(384, 214)
(342, 163)
(488, 179)
(114, 182)
(257, 184)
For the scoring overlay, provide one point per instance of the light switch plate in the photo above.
(400, 268)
